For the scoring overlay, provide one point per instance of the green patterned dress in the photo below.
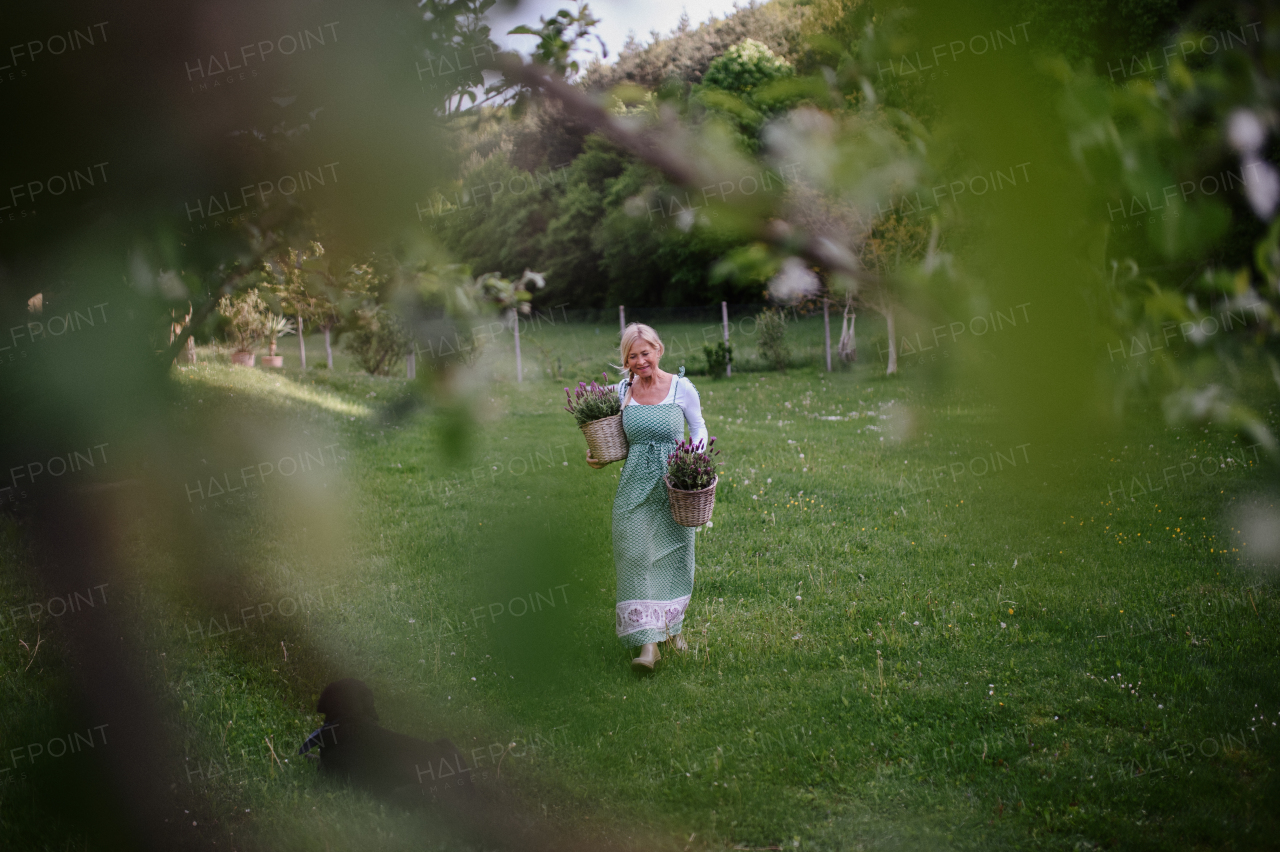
(653, 554)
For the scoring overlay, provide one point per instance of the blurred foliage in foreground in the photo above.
(938, 166)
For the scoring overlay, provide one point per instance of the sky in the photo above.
(617, 18)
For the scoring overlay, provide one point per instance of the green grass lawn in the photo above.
(908, 630)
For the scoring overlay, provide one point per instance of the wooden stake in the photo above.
(826, 328)
(515, 326)
(724, 318)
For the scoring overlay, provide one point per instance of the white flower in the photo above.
(1245, 132)
(1261, 186)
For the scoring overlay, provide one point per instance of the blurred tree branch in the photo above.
(678, 168)
(248, 272)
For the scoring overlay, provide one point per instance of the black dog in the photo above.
(355, 749)
(414, 773)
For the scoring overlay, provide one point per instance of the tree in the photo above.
(458, 48)
(848, 345)
(303, 287)
(684, 56)
(1179, 178)
(746, 68)
(560, 35)
(377, 336)
(895, 242)
(570, 250)
(247, 320)
(745, 87)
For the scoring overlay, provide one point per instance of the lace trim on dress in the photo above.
(650, 615)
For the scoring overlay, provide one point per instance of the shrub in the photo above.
(771, 325)
(745, 67)
(378, 340)
(248, 315)
(719, 357)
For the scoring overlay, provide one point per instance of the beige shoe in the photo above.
(677, 642)
(648, 658)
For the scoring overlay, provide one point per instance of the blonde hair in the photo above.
(636, 332)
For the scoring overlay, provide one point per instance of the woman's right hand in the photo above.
(595, 464)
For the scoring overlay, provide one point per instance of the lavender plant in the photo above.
(692, 468)
(592, 401)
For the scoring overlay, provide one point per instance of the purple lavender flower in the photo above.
(691, 467)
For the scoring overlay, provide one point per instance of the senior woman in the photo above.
(653, 554)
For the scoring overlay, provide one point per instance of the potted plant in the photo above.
(274, 325)
(247, 313)
(599, 415)
(691, 482)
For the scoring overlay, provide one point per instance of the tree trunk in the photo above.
(328, 348)
(302, 345)
(893, 346)
(515, 330)
(724, 318)
(848, 347)
(826, 329)
(187, 355)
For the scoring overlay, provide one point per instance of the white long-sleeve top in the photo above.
(681, 393)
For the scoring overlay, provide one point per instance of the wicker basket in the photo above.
(605, 439)
(691, 508)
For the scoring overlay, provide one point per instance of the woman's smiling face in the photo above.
(642, 360)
